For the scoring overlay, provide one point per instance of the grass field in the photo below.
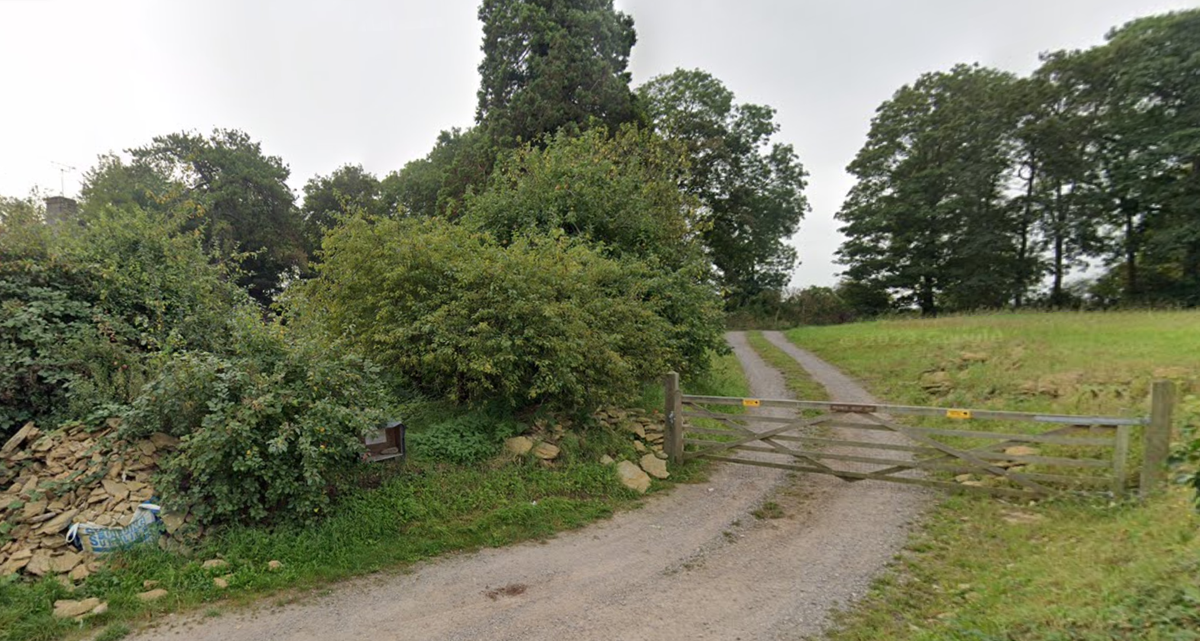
(984, 569)
(401, 514)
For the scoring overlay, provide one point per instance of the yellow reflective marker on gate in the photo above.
(959, 414)
(751, 402)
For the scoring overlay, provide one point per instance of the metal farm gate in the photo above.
(855, 442)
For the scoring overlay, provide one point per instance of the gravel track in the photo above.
(691, 564)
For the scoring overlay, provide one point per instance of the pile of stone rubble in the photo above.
(51, 480)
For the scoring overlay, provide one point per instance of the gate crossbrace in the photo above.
(749, 436)
(964, 455)
(947, 451)
(982, 448)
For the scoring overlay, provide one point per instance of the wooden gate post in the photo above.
(1157, 437)
(673, 411)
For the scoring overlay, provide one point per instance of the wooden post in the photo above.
(1157, 438)
(673, 410)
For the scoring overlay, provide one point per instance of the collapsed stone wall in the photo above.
(73, 475)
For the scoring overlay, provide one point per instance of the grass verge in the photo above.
(400, 514)
(983, 569)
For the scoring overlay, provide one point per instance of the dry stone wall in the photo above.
(648, 433)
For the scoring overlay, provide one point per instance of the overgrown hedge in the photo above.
(1185, 454)
(546, 319)
(124, 314)
(85, 309)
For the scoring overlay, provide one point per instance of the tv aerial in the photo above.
(62, 176)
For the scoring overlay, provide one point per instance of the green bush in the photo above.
(620, 193)
(266, 431)
(41, 326)
(469, 438)
(124, 313)
(686, 298)
(574, 276)
(152, 272)
(770, 309)
(544, 320)
(818, 306)
(87, 307)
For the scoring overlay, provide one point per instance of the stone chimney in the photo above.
(60, 208)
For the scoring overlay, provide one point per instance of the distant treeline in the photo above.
(978, 189)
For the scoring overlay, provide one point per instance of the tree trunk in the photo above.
(1056, 291)
(1023, 272)
(928, 307)
(1190, 276)
(1191, 256)
(1022, 277)
(1131, 272)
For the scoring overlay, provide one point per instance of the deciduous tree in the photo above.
(1149, 72)
(239, 195)
(927, 218)
(349, 188)
(620, 192)
(751, 190)
(435, 185)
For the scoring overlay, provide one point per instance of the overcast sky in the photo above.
(323, 84)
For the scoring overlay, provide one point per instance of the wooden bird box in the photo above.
(385, 443)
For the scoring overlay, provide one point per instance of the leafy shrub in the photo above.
(469, 438)
(687, 300)
(151, 272)
(125, 310)
(41, 325)
(818, 306)
(544, 320)
(60, 349)
(810, 306)
(87, 307)
(620, 195)
(265, 430)
(864, 299)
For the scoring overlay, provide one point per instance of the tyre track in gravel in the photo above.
(691, 564)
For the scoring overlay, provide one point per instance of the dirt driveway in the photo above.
(691, 564)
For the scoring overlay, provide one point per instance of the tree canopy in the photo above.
(923, 218)
(620, 192)
(974, 185)
(348, 188)
(751, 190)
(221, 184)
(550, 64)
(1148, 107)
(436, 184)
(241, 197)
